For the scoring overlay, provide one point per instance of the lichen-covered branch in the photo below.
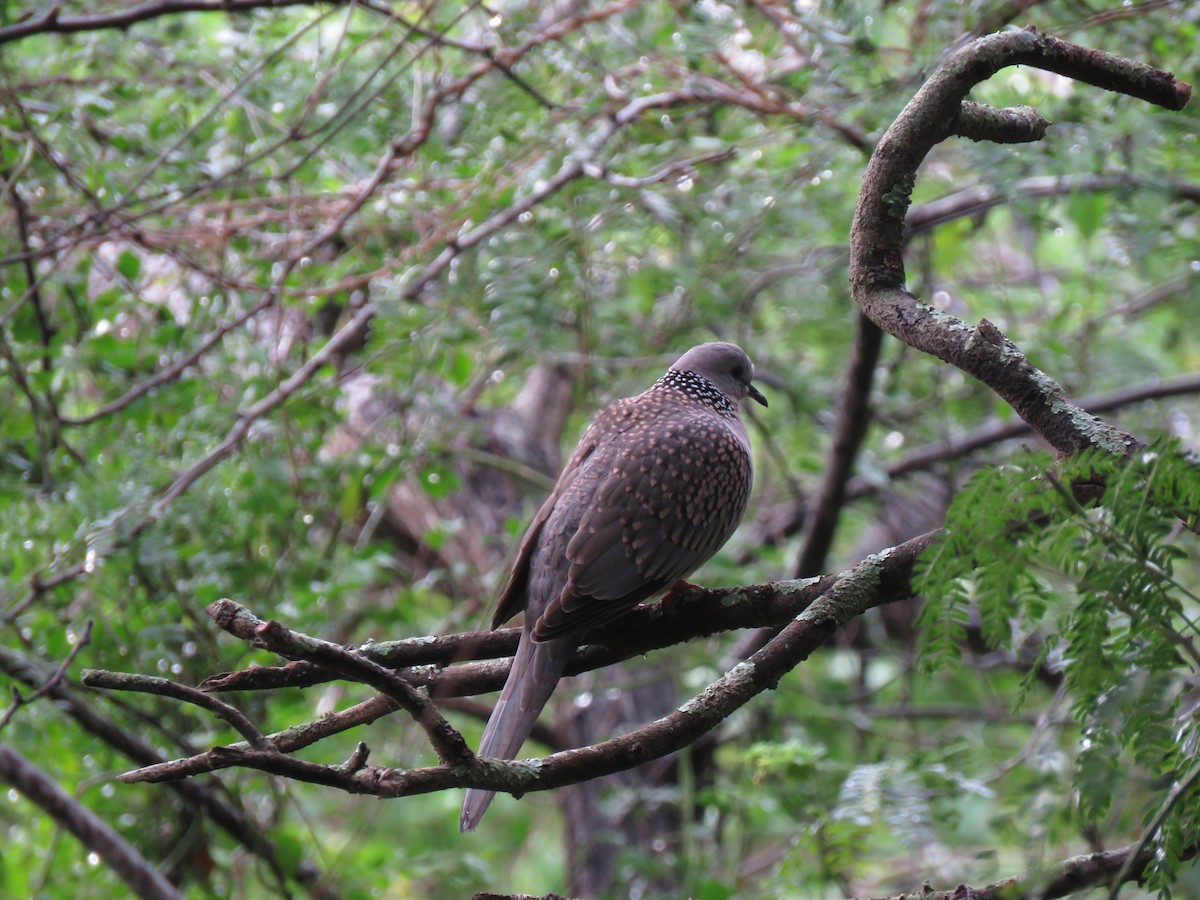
(880, 579)
(877, 236)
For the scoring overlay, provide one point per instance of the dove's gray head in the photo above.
(726, 366)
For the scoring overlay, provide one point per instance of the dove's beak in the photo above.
(755, 394)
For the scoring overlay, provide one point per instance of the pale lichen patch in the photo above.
(743, 671)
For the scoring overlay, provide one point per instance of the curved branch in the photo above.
(877, 273)
(151, 684)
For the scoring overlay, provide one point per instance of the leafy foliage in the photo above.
(196, 203)
(1102, 585)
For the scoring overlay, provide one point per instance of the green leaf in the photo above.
(457, 366)
(438, 480)
(1087, 210)
(109, 349)
(129, 265)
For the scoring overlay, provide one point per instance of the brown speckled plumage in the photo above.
(656, 486)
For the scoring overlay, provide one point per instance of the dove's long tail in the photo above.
(536, 669)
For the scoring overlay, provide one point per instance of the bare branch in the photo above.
(996, 432)
(975, 200)
(43, 791)
(291, 739)
(449, 744)
(55, 679)
(1015, 125)
(151, 684)
(877, 265)
(854, 417)
(794, 516)
(173, 371)
(204, 798)
(51, 22)
(880, 579)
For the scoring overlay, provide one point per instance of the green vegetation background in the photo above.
(167, 170)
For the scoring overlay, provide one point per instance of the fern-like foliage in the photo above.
(1104, 587)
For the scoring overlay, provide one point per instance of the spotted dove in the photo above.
(657, 485)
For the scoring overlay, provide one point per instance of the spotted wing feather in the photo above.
(611, 422)
(661, 501)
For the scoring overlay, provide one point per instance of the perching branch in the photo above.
(423, 662)
(426, 663)
(695, 613)
(880, 579)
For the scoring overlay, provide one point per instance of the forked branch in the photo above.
(880, 579)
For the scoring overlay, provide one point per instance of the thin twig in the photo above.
(446, 740)
(151, 684)
(55, 679)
